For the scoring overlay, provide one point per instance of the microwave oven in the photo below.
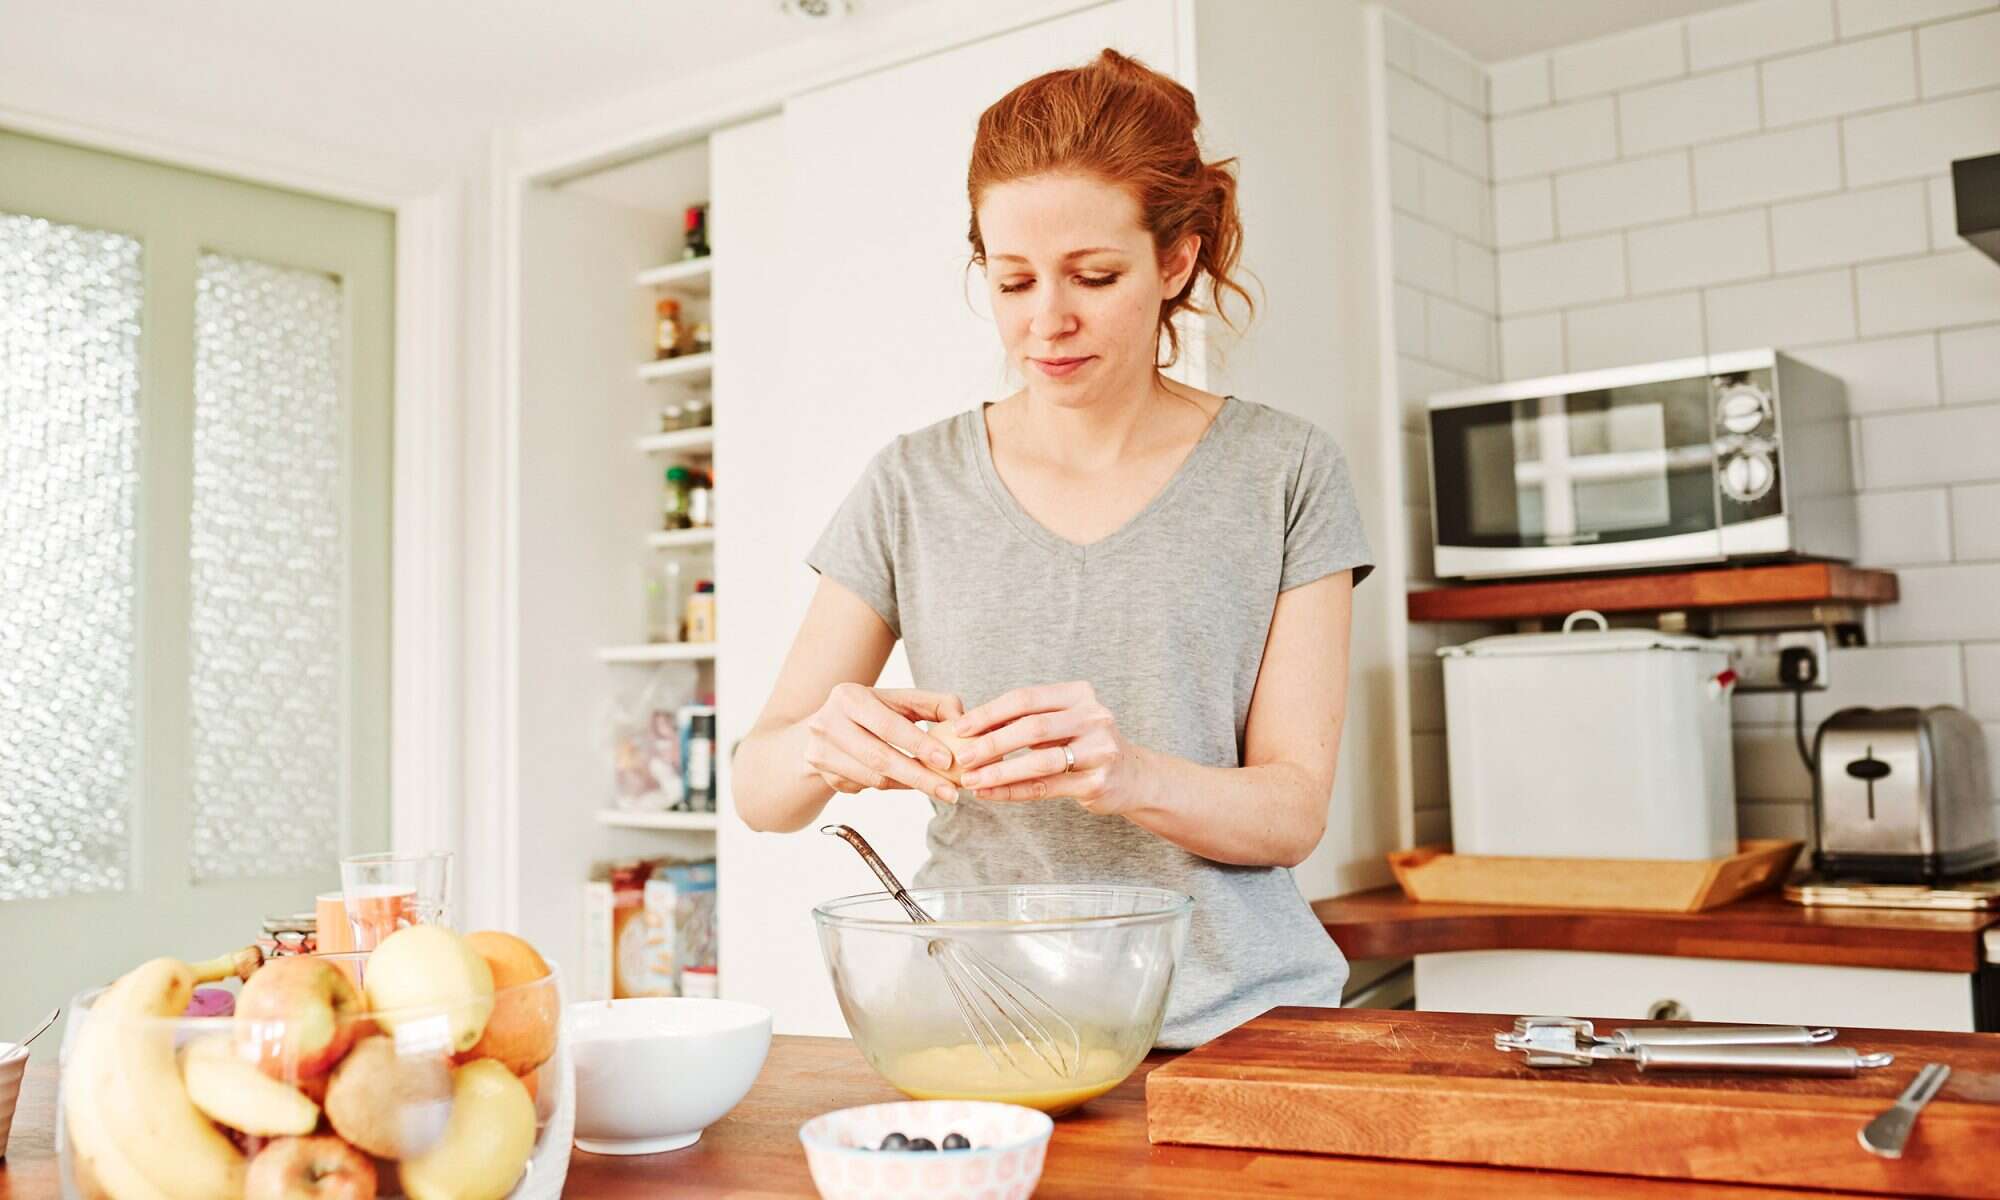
(1743, 455)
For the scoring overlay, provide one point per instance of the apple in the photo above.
(389, 1104)
(522, 1030)
(425, 972)
(309, 1168)
(296, 1016)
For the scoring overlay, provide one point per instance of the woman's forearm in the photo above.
(773, 790)
(1272, 814)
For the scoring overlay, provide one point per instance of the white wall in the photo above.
(1289, 96)
(1777, 174)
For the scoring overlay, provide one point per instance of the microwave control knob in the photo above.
(1748, 476)
(1743, 407)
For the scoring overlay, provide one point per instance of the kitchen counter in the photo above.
(1100, 1151)
(1384, 923)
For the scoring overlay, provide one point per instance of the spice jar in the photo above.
(701, 501)
(672, 417)
(697, 413)
(703, 337)
(674, 499)
(667, 328)
(701, 612)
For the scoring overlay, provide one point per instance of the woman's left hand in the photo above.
(1073, 743)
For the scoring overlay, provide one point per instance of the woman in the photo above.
(1143, 587)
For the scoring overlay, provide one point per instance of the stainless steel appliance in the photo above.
(1728, 456)
(1902, 794)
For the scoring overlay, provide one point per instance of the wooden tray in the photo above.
(1433, 874)
(1430, 1087)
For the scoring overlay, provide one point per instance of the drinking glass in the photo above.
(386, 892)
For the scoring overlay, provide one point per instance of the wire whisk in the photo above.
(999, 1012)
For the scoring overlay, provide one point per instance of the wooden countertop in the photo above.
(1384, 923)
(1099, 1151)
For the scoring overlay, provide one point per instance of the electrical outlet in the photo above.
(1759, 655)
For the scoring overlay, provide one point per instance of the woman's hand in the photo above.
(862, 737)
(1101, 770)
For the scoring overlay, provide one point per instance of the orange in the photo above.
(521, 1033)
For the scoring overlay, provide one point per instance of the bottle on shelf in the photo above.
(698, 757)
(703, 337)
(667, 331)
(701, 612)
(664, 600)
(701, 500)
(675, 499)
(695, 225)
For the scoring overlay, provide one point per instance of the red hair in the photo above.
(1127, 124)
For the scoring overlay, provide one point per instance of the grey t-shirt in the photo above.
(1166, 618)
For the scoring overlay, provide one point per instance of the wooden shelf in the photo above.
(678, 539)
(690, 277)
(699, 822)
(680, 441)
(687, 368)
(658, 652)
(1716, 587)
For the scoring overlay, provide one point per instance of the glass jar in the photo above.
(664, 599)
(696, 413)
(666, 327)
(672, 417)
(674, 499)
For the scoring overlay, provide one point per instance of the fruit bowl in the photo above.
(434, 1066)
(1099, 956)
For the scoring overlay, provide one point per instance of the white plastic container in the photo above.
(1606, 743)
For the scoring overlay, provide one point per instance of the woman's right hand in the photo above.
(864, 737)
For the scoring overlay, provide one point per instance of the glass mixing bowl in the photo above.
(957, 1009)
(452, 1122)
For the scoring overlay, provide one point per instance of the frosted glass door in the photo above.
(194, 466)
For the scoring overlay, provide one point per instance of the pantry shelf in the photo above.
(695, 821)
(1716, 587)
(690, 277)
(680, 441)
(657, 652)
(687, 368)
(679, 539)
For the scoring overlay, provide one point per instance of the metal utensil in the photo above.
(40, 1029)
(1762, 1060)
(1887, 1133)
(1765, 1049)
(998, 1011)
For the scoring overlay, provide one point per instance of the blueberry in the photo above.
(956, 1141)
(895, 1141)
(922, 1144)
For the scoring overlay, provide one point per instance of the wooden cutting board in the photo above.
(1430, 1087)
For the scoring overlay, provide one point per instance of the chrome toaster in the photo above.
(1902, 795)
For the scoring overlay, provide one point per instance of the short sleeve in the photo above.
(857, 548)
(1323, 532)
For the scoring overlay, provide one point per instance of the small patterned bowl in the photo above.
(1005, 1162)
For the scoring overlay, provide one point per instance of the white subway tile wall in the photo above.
(1850, 78)
(1630, 331)
(1692, 110)
(1971, 365)
(1760, 30)
(1637, 191)
(1774, 173)
(1975, 524)
(1447, 220)
(1707, 250)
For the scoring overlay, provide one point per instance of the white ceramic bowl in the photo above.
(652, 1073)
(1009, 1143)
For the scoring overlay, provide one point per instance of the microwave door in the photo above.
(1597, 480)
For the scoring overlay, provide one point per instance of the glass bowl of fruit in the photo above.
(433, 1066)
(1043, 995)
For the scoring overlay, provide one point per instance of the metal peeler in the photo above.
(1768, 1049)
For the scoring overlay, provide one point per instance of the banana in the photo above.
(234, 1092)
(134, 1127)
(487, 1140)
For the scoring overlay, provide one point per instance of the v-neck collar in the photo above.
(1040, 534)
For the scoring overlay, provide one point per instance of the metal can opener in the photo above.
(1767, 1049)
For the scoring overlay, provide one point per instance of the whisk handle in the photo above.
(882, 872)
